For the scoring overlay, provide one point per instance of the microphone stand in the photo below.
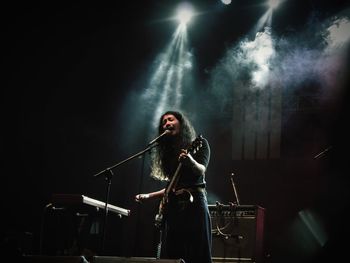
(234, 189)
(321, 154)
(108, 174)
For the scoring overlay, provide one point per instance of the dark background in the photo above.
(67, 70)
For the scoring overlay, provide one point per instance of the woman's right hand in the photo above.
(140, 197)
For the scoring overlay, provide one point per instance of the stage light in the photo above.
(226, 2)
(184, 13)
(273, 4)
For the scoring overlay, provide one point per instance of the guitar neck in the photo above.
(196, 144)
(174, 180)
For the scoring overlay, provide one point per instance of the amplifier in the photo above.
(237, 232)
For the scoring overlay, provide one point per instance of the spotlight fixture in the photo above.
(184, 13)
(226, 2)
(273, 4)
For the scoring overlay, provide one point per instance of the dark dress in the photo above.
(188, 224)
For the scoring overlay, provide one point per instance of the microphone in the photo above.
(159, 137)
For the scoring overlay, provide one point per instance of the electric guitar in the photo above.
(193, 149)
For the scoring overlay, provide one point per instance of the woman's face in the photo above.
(169, 122)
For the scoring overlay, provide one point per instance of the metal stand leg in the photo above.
(159, 246)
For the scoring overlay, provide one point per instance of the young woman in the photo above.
(184, 208)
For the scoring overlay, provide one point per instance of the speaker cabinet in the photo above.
(105, 259)
(237, 233)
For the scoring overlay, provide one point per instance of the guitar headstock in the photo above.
(196, 144)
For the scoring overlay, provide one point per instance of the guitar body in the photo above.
(162, 211)
(178, 200)
(169, 191)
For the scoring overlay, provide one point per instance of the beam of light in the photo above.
(307, 235)
(266, 19)
(273, 4)
(166, 85)
(163, 87)
(314, 225)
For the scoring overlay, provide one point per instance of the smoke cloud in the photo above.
(313, 55)
(249, 83)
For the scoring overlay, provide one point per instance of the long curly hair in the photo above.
(164, 157)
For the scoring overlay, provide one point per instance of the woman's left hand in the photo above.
(186, 158)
